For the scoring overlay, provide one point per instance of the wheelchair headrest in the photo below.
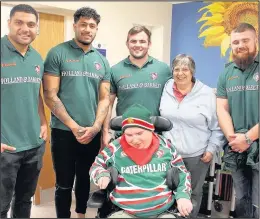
(160, 123)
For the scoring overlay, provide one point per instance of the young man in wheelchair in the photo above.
(142, 159)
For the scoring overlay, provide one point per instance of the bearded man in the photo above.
(237, 109)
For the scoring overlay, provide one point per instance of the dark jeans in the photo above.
(246, 183)
(70, 159)
(19, 177)
(198, 170)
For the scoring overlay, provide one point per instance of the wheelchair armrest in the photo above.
(160, 123)
(172, 178)
(114, 175)
(98, 198)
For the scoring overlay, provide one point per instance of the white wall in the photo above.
(116, 19)
(5, 11)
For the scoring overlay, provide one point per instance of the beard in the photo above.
(245, 60)
(85, 43)
(139, 56)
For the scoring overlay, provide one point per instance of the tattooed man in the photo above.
(76, 89)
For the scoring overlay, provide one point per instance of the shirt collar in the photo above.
(127, 60)
(175, 89)
(257, 58)
(75, 46)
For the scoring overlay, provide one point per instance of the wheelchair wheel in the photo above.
(218, 207)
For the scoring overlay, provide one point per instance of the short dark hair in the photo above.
(86, 12)
(243, 27)
(24, 8)
(137, 29)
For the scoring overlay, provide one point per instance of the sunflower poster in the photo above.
(202, 30)
(220, 18)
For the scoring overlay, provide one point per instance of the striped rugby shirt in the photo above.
(142, 190)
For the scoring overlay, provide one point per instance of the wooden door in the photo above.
(51, 33)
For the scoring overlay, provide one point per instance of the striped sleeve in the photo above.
(184, 187)
(102, 161)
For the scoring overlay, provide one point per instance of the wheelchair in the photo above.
(100, 198)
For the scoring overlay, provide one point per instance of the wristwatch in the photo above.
(248, 140)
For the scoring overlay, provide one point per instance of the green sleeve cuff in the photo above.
(182, 195)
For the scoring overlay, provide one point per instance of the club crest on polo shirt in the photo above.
(256, 77)
(154, 75)
(97, 65)
(37, 69)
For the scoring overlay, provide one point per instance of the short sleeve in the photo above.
(168, 72)
(221, 86)
(52, 62)
(113, 88)
(107, 76)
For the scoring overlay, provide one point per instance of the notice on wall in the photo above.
(100, 47)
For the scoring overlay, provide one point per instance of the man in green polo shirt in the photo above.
(238, 113)
(76, 89)
(139, 78)
(23, 122)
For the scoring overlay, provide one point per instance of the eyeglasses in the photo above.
(183, 70)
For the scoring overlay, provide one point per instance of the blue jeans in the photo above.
(246, 182)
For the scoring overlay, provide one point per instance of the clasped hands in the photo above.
(84, 135)
(238, 142)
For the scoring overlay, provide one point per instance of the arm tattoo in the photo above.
(55, 104)
(102, 108)
(108, 92)
(93, 134)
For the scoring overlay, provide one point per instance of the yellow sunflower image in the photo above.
(221, 17)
